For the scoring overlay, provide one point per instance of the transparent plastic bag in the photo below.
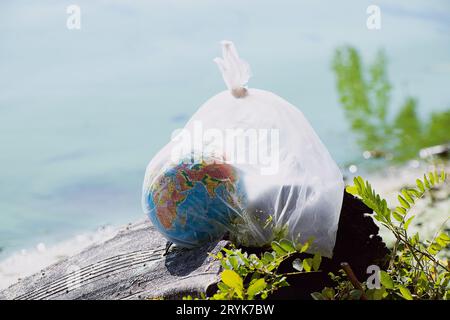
(281, 180)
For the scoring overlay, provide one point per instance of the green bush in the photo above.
(415, 270)
(256, 277)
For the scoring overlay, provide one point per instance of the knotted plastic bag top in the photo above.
(235, 71)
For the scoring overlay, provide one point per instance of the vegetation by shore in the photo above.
(417, 267)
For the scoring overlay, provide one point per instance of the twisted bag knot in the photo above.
(235, 71)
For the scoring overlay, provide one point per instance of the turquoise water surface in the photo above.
(83, 111)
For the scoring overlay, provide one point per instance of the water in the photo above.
(82, 112)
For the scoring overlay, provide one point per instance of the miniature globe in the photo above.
(195, 203)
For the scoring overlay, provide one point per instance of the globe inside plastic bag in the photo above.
(194, 202)
(284, 182)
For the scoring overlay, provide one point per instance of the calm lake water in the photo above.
(83, 111)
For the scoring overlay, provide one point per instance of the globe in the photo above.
(195, 203)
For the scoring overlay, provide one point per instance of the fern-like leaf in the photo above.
(407, 197)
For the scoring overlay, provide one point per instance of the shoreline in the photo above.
(387, 182)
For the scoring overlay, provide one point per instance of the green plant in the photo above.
(415, 270)
(250, 276)
(242, 233)
(344, 290)
(364, 93)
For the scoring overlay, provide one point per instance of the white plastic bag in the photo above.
(287, 182)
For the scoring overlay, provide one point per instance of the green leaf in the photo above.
(281, 282)
(406, 294)
(225, 264)
(376, 294)
(415, 192)
(425, 180)
(359, 183)
(316, 261)
(268, 256)
(436, 177)
(307, 264)
(434, 248)
(386, 280)
(328, 293)
(431, 178)
(384, 208)
(403, 202)
(407, 196)
(408, 222)
(287, 245)
(306, 245)
(297, 264)
(420, 185)
(222, 287)
(443, 176)
(352, 190)
(243, 258)
(220, 296)
(234, 262)
(228, 251)
(278, 249)
(443, 239)
(397, 217)
(233, 280)
(256, 287)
